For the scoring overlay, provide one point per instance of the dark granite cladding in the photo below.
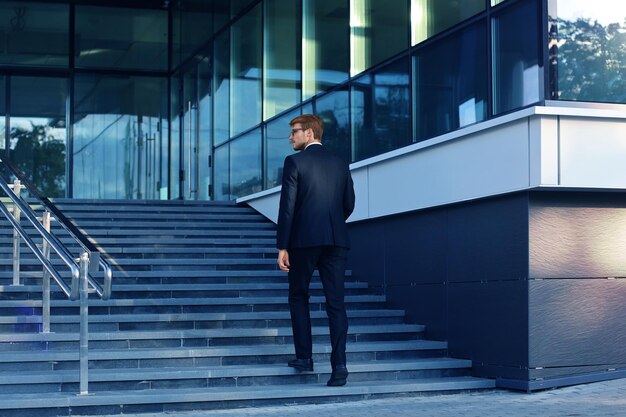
(488, 322)
(468, 272)
(415, 257)
(577, 322)
(577, 236)
(488, 240)
(431, 306)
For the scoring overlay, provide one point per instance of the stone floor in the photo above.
(605, 399)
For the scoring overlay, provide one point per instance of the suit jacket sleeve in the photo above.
(287, 206)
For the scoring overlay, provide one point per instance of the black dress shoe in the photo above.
(302, 364)
(339, 376)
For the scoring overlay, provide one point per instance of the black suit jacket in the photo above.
(317, 197)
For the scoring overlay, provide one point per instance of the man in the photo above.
(316, 199)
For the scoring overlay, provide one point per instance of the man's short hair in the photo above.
(310, 121)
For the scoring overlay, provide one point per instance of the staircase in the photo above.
(198, 320)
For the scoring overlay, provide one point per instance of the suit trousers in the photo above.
(330, 261)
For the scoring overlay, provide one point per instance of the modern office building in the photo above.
(487, 142)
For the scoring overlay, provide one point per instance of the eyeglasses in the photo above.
(294, 131)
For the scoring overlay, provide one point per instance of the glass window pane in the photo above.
(121, 38)
(517, 72)
(246, 59)
(334, 110)
(379, 29)
(38, 131)
(118, 124)
(589, 47)
(245, 164)
(380, 111)
(221, 172)
(326, 54)
(192, 27)
(237, 6)
(221, 83)
(34, 34)
(174, 147)
(3, 112)
(283, 62)
(277, 147)
(205, 109)
(450, 87)
(429, 17)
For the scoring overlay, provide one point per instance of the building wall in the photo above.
(494, 240)
(577, 285)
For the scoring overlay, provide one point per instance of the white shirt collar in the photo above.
(312, 143)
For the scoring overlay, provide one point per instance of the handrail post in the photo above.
(17, 186)
(45, 285)
(84, 324)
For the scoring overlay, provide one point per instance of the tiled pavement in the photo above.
(600, 399)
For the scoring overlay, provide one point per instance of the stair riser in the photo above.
(190, 244)
(187, 325)
(146, 294)
(219, 308)
(191, 341)
(212, 361)
(212, 324)
(236, 381)
(182, 406)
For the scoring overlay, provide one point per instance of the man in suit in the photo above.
(317, 197)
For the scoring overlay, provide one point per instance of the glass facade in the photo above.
(37, 134)
(380, 115)
(429, 17)
(117, 135)
(277, 147)
(517, 68)
(325, 43)
(450, 83)
(191, 99)
(245, 72)
(282, 51)
(379, 29)
(34, 35)
(121, 38)
(588, 50)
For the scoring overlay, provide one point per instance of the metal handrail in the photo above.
(45, 262)
(104, 290)
(58, 247)
(80, 268)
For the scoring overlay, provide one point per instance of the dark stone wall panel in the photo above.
(366, 257)
(488, 322)
(577, 322)
(415, 248)
(577, 235)
(488, 240)
(424, 304)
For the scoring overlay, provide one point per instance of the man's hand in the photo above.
(283, 260)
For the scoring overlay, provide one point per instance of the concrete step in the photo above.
(230, 375)
(221, 320)
(123, 291)
(199, 319)
(11, 342)
(256, 301)
(167, 400)
(192, 356)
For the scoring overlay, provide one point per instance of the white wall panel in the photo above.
(593, 152)
(361, 190)
(544, 151)
(482, 164)
(536, 147)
